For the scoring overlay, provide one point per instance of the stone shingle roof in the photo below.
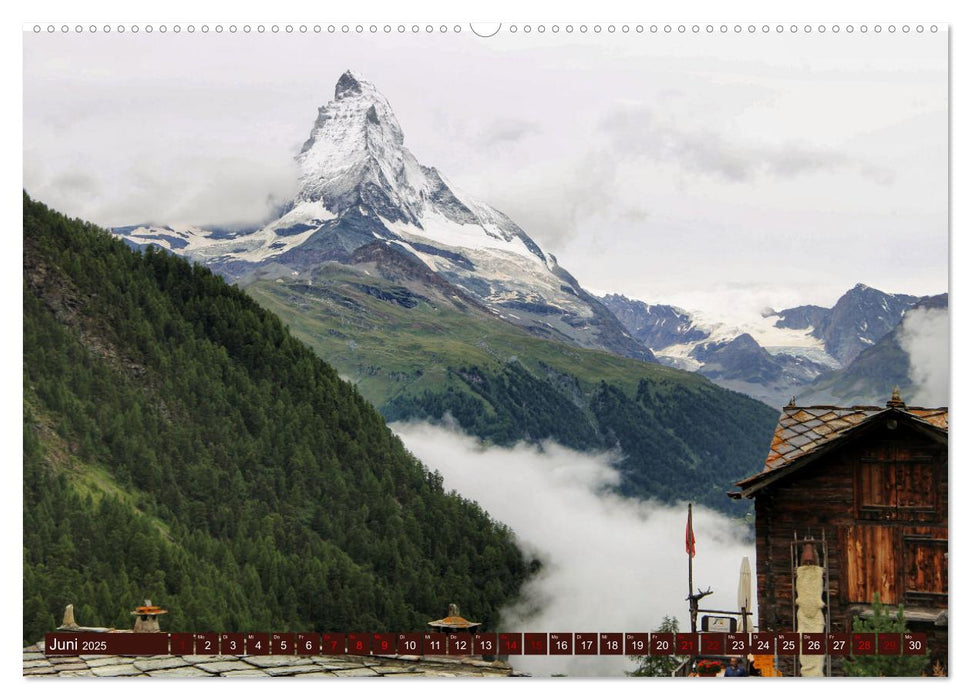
(805, 430)
(35, 663)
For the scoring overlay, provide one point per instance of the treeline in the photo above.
(679, 441)
(180, 445)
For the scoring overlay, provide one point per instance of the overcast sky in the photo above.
(714, 172)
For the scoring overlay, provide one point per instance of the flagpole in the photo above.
(691, 588)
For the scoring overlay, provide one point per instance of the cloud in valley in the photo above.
(610, 564)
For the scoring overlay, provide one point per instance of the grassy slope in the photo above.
(89, 479)
(388, 350)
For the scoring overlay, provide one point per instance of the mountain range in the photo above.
(369, 213)
(364, 198)
(801, 351)
(439, 307)
(885, 363)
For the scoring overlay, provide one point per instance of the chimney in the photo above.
(895, 400)
(146, 617)
(454, 622)
(68, 622)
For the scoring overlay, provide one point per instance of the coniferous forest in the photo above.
(679, 440)
(180, 445)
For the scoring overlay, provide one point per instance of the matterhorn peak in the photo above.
(355, 164)
(361, 189)
(356, 142)
(347, 84)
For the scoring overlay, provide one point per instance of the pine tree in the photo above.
(883, 665)
(658, 666)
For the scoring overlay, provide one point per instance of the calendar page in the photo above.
(443, 348)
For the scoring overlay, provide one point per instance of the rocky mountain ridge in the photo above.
(784, 353)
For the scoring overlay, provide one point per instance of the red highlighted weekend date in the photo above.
(488, 644)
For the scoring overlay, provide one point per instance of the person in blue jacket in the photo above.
(735, 670)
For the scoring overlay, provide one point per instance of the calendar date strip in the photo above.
(484, 644)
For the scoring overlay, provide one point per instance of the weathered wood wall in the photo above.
(882, 502)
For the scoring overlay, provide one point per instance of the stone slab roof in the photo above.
(804, 430)
(36, 664)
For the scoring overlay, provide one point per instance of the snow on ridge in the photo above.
(776, 341)
(354, 130)
(444, 232)
(303, 211)
(762, 329)
(264, 243)
(817, 355)
(515, 274)
(681, 356)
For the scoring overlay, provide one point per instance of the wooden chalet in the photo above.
(862, 494)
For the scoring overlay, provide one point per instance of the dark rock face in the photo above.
(397, 265)
(445, 200)
(399, 295)
(801, 317)
(610, 331)
(347, 84)
(742, 359)
(938, 301)
(866, 379)
(453, 257)
(859, 319)
(657, 326)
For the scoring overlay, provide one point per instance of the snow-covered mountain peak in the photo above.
(358, 185)
(349, 84)
(355, 163)
(356, 155)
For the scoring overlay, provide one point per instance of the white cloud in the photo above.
(925, 337)
(610, 564)
(639, 132)
(506, 131)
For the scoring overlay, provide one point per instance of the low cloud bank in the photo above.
(926, 339)
(610, 564)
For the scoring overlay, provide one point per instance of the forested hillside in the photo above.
(180, 445)
(415, 355)
(676, 440)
